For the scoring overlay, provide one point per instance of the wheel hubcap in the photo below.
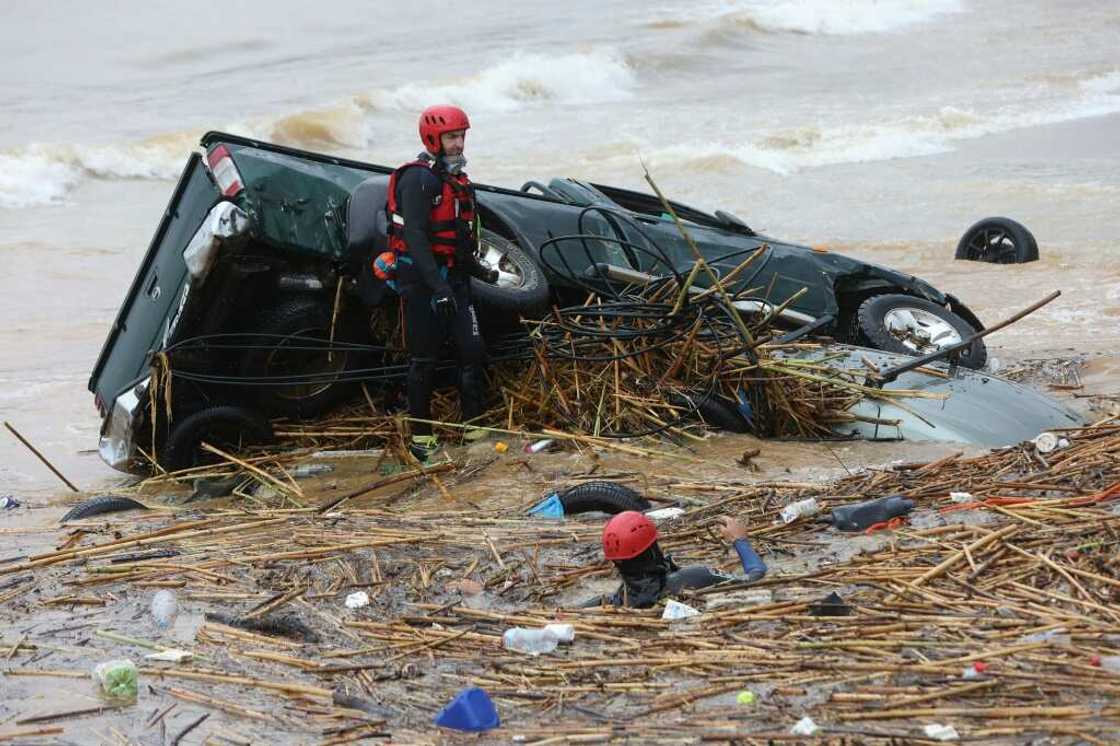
(920, 330)
(509, 274)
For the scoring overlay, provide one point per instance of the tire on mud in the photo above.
(100, 505)
(604, 497)
(230, 428)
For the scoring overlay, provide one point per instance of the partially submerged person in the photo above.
(648, 574)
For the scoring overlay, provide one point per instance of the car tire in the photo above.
(292, 317)
(522, 286)
(899, 323)
(226, 427)
(100, 505)
(603, 497)
(714, 410)
(998, 241)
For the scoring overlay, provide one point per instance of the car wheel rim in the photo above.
(509, 273)
(919, 330)
(294, 357)
(992, 245)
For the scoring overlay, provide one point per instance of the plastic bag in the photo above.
(117, 679)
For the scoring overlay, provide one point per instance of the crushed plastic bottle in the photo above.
(941, 732)
(974, 671)
(562, 632)
(675, 610)
(804, 727)
(164, 608)
(303, 471)
(961, 497)
(117, 679)
(1110, 663)
(665, 514)
(800, 509)
(539, 446)
(531, 641)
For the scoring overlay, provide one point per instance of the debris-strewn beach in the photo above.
(994, 613)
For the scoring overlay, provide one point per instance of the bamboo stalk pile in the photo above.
(1022, 578)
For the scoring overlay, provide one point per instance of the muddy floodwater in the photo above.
(880, 129)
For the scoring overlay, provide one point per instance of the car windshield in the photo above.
(648, 204)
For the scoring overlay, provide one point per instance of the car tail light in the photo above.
(225, 171)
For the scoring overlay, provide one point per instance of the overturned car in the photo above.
(256, 293)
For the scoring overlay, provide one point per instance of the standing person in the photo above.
(434, 231)
(648, 574)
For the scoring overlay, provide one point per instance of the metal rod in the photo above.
(42, 458)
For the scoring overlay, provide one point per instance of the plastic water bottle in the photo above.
(303, 471)
(562, 632)
(531, 641)
(800, 509)
(165, 607)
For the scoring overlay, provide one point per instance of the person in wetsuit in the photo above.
(433, 232)
(648, 574)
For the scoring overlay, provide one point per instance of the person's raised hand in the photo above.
(732, 529)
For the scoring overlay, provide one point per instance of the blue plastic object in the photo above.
(471, 710)
(550, 507)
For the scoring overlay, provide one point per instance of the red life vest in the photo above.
(452, 220)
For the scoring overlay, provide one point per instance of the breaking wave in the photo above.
(810, 16)
(790, 150)
(44, 174)
(523, 79)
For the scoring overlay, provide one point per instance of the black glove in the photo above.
(444, 305)
(490, 276)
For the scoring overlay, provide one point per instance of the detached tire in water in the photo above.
(603, 497)
(99, 506)
(998, 241)
(294, 344)
(229, 428)
(521, 287)
(916, 326)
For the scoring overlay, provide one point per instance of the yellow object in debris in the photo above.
(501, 447)
(745, 697)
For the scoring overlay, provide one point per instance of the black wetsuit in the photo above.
(652, 575)
(422, 276)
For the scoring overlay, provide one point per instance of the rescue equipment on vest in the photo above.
(452, 221)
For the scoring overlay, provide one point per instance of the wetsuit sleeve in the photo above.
(699, 576)
(753, 566)
(415, 191)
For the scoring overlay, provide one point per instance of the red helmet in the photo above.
(435, 120)
(627, 535)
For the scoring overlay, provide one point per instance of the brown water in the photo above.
(859, 125)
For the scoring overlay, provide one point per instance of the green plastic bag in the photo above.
(117, 679)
